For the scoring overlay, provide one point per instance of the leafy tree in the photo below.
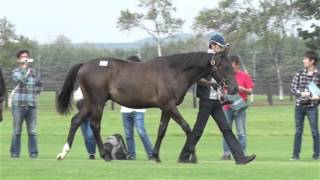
(264, 21)
(7, 31)
(155, 18)
(148, 51)
(10, 44)
(309, 10)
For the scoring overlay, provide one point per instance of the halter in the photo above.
(214, 69)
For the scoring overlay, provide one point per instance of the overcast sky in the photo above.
(84, 20)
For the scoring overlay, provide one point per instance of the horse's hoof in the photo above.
(60, 157)
(157, 160)
(183, 161)
(184, 158)
(107, 158)
(194, 160)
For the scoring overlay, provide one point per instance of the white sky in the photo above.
(84, 20)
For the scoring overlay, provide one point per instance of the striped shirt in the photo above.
(300, 84)
(25, 94)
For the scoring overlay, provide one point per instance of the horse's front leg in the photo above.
(164, 121)
(75, 123)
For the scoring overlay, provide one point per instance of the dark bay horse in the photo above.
(2, 93)
(162, 82)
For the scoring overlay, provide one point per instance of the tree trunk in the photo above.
(279, 79)
(159, 49)
(194, 96)
(268, 87)
(269, 97)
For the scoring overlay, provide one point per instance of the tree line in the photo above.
(264, 34)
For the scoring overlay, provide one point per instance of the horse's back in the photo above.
(137, 85)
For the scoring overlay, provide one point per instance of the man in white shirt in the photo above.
(135, 118)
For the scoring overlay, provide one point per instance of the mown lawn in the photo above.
(270, 137)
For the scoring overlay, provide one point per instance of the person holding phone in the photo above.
(24, 107)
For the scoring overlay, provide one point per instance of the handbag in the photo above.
(237, 103)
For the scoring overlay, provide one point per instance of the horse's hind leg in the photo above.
(161, 133)
(95, 123)
(75, 123)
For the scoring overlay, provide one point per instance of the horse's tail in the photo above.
(64, 97)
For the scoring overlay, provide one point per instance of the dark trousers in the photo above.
(209, 107)
(312, 114)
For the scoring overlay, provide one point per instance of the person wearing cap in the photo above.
(135, 118)
(24, 105)
(209, 104)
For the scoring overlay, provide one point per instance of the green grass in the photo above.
(270, 137)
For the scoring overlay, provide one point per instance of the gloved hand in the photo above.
(225, 101)
(214, 86)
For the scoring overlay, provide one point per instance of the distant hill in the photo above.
(130, 45)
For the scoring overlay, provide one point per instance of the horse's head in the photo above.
(222, 72)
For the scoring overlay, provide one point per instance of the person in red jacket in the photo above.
(239, 117)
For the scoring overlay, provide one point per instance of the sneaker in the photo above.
(295, 158)
(131, 158)
(226, 157)
(14, 155)
(33, 156)
(92, 157)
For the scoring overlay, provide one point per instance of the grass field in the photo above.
(270, 137)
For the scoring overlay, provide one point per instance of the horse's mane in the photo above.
(176, 61)
(180, 61)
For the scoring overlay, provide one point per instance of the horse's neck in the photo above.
(194, 74)
(197, 68)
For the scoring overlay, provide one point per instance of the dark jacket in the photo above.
(203, 91)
